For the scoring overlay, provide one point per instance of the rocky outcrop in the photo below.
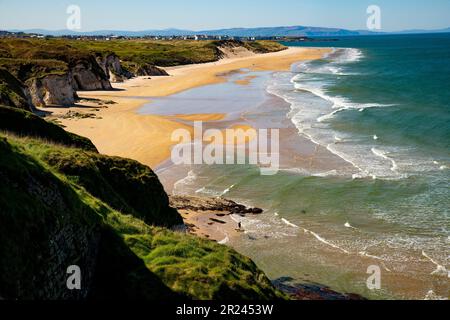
(125, 184)
(49, 221)
(211, 204)
(116, 72)
(88, 75)
(38, 242)
(52, 90)
(150, 70)
(47, 226)
(24, 123)
(112, 67)
(310, 291)
(13, 92)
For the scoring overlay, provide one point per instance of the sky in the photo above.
(197, 15)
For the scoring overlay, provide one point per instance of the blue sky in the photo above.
(213, 14)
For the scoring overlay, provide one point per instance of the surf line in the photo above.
(440, 270)
(315, 235)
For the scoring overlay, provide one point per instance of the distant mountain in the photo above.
(293, 31)
(415, 31)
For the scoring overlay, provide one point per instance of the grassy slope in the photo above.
(11, 91)
(24, 123)
(27, 59)
(161, 53)
(126, 185)
(146, 262)
(30, 58)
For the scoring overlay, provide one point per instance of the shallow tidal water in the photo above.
(360, 184)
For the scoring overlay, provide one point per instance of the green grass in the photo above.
(26, 69)
(126, 185)
(11, 91)
(134, 260)
(131, 52)
(24, 123)
(219, 272)
(264, 46)
(28, 59)
(39, 57)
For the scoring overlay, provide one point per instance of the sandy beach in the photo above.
(118, 130)
(110, 119)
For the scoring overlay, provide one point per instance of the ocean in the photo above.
(377, 112)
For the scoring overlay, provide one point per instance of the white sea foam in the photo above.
(209, 192)
(365, 254)
(191, 177)
(433, 296)
(349, 226)
(311, 116)
(227, 190)
(349, 55)
(225, 240)
(330, 173)
(318, 237)
(383, 154)
(289, 223)
(440, 269)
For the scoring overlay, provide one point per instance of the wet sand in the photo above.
(117, 129)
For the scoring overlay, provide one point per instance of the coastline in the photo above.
(118, 130)
(110, 119)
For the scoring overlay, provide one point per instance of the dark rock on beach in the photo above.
(211, 204)
(311, 291)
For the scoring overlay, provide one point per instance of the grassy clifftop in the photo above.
(125, 185)
(62, 206)
(153, 52)
(40, 72)
(24, 123)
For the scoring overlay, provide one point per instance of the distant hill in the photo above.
(415, 31)
(290, 31)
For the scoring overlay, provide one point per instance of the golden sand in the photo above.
(119, 131)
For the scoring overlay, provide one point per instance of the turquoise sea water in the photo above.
(381, 105)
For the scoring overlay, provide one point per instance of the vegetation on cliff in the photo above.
(170, 53)
(125, 185)
(24, 123)
(62, 206)
(41, 72)
(12, 91)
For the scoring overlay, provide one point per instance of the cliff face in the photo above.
(150, 70)
(23, 123)
(88, 75)
(13, 92)
(38, 242)
(52, 90)
(124, 184)
(50, 220)
(112, 67)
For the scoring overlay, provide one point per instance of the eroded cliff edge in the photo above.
(62, 205)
